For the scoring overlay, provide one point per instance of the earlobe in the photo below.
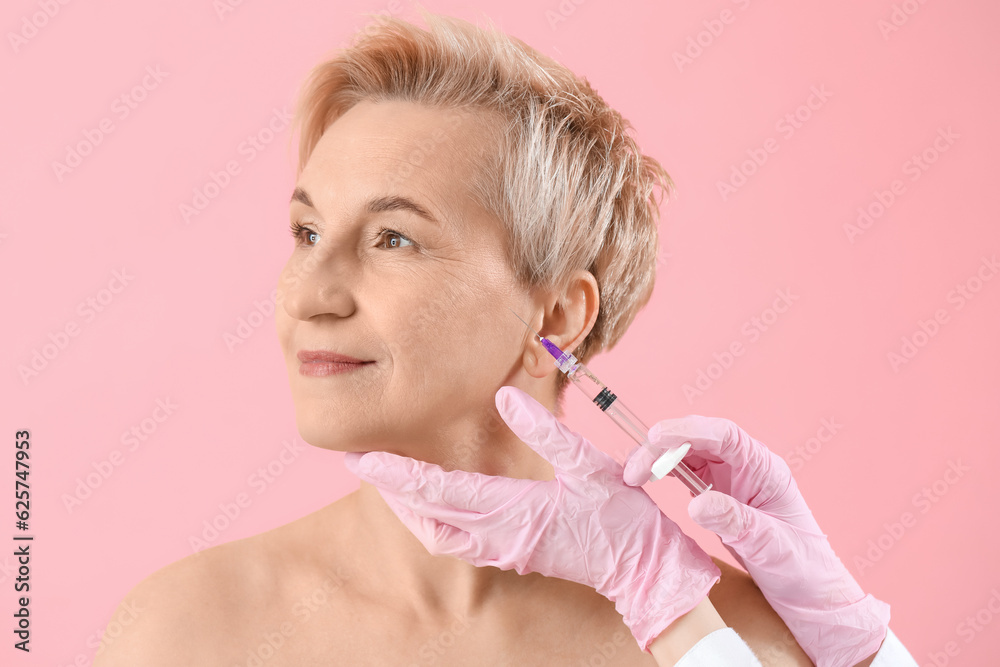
(533, 360)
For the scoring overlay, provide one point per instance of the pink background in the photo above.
(724, 259)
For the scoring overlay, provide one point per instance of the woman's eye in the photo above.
(393, 239)
(303, 235)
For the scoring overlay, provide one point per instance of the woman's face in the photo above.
(423, 301)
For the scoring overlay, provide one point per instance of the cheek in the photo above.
(283, 325)
(461, 330)
(282, 320)
(429, 333)
(426, 312)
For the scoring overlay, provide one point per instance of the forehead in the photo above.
(399, 147)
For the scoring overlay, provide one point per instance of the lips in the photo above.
(322, 363)
(322, 356)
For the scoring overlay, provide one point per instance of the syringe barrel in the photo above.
(690, 480)
(607, 401)
(627, 420)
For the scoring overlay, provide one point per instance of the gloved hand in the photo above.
(756, 509)
(586, 525)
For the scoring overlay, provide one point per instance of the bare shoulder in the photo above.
(181, 613)
(745, 609)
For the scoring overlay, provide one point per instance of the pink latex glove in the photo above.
(586, 525)
(756, 509)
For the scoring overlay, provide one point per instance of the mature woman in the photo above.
(448, 178)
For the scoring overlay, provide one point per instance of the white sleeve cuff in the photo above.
(725, 648)
(721, 648)
(893, 653)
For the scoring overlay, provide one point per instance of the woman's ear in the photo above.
(567, 318)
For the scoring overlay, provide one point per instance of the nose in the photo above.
(317, 285)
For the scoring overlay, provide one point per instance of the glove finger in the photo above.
(724, 455)
(476, 542)
(720, 514)
(466, 491)
(764, 543)
(538, 428)
(711, 438)
(527, 512)
(351, 461)
(758, 542)
(639, 466)
(438, 538)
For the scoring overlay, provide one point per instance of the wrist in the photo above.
(848, 635)
(672, 576)
(680, 636)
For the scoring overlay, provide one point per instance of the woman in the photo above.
(446, 178)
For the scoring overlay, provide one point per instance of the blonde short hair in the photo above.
(568, 183)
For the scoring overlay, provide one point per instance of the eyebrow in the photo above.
(376, 204)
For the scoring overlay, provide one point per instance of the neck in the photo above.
(403, 571)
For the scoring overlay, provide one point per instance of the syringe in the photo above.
(595, 390)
